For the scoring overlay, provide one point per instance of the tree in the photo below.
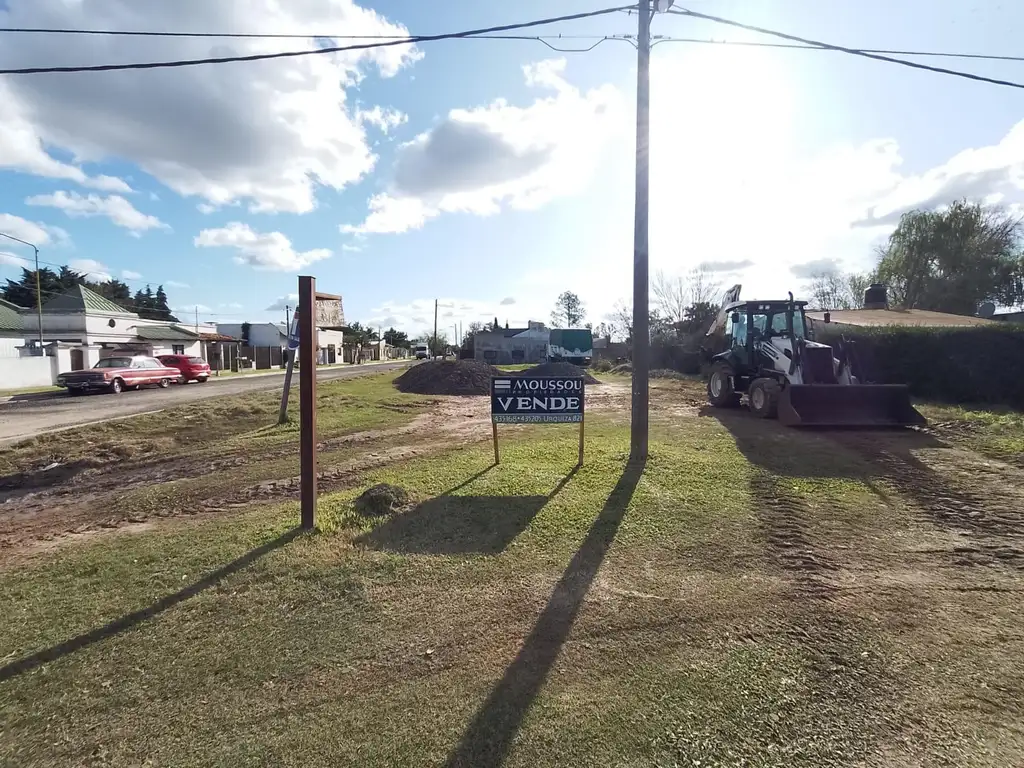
(569, 311)
(686, 302)
(397, 338)
(467, 348)
(955, 259)
(836, 290)
(438, 343)
(620, 322)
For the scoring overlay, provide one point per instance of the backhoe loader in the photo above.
(763, 349)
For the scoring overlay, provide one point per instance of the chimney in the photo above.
(876, 296)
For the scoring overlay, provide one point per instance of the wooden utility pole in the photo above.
(307, 397)
(433, 351)
(639, 424)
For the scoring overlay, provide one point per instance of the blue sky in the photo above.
(493, 175)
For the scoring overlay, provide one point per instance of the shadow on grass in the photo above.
(450, 524)
(128, 621)
(488, 738)
(812, 452)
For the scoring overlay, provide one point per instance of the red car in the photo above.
(116, 374)
(189, 368)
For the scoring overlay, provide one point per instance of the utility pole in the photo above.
(287, 318)
(433, 351)
(39, 290)
(197, 319)
(639, 421)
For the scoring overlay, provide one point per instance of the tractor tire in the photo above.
(763, 398)
(720, 391)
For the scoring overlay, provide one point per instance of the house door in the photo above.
(77, 360)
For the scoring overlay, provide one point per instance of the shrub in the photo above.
(954, 365)
(601, 365)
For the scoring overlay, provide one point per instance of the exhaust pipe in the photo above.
(835, 405)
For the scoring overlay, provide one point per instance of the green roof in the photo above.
(81, 299)
(164, 333)
(10, 317)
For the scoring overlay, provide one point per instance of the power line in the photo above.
(843, 49)
(332, 49)
(545, 39)
(795, 46)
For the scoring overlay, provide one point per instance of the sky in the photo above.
(490, 175)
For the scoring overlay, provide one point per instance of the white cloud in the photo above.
(206, 208)
(508, 300)
(383, 118)
(191, 309)
(175, 284)
(114, 207)
(351, 248)
(34, 232)
(128, 274)
(231, 305)
(259, 250)
(290, 300)
(264, 132)
(482, 159)
(108, 184)
(14, 260)
(91, 269)
(418, 316)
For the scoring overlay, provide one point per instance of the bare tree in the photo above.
(671, 296)
(836, 290)
(620, 320)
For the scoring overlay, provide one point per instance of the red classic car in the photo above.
(115, 374)
(189, 368)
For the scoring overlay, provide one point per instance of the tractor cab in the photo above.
(749, 323)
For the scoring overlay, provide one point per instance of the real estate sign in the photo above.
(541, 400)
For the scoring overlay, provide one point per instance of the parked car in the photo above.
(421, 351)
(190, 368)
(115, 374)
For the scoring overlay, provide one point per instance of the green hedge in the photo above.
(953, 365)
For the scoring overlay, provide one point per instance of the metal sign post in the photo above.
(541, 400)
(293, 344)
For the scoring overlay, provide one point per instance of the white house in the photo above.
(80, 327)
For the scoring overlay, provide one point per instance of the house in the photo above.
(509, 346)
(263, 344)
(865, 318)
(79, 328)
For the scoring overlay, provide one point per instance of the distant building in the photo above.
(874, 318)
(512, 346)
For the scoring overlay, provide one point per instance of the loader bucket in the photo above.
(835, 405)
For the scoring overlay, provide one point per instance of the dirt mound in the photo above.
(381, 499)
(558, 369)
(624, 368)
(448, 377)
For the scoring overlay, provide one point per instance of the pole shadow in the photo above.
(131, 620)
(487, 740)
(452, 524)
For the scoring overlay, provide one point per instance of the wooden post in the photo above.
(580, 462)
(494, 434)
(307, 398)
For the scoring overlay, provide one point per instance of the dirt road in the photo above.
(28, 418)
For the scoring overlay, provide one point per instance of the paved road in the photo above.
(28, 418)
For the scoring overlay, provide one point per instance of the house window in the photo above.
(178, 349)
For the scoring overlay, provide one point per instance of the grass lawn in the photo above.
(28, 391)
(752, 598)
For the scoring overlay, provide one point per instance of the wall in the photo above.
(497, 349)
(260, 334)
(167, 348)
(9, 348)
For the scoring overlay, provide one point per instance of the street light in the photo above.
(39, 290)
